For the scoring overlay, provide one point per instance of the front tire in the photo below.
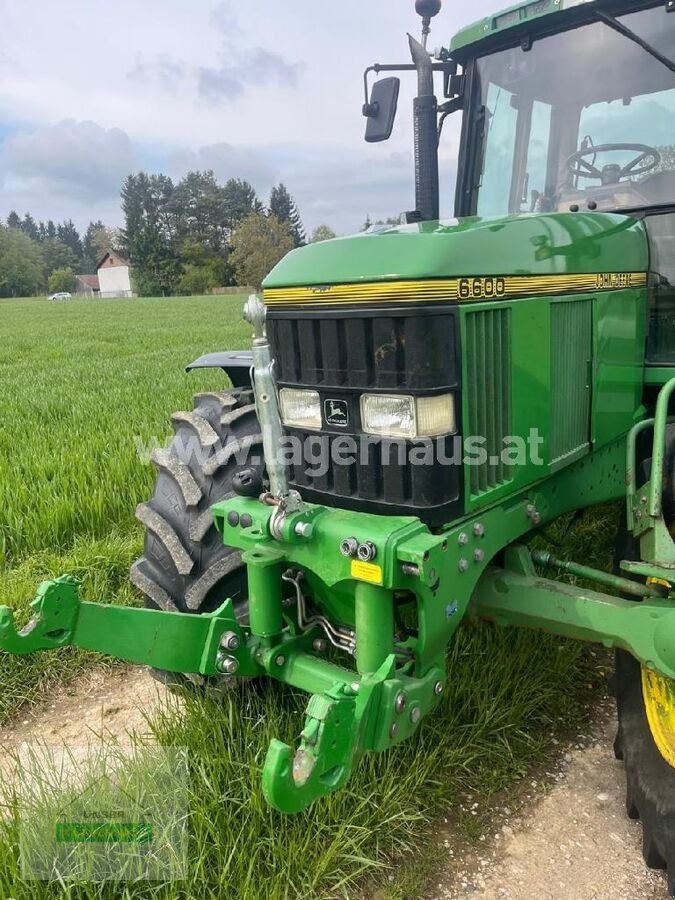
(185, 566)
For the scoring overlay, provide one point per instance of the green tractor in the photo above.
(420, 399)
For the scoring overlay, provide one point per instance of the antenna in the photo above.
(427, 9)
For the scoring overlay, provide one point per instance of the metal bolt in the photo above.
(478, 530)
(478, 556)
(393, 730)
(415, 715)
(319, 645)
(230, 641)
(438, 687)
(349, 546)
(304, 529)
(432, 575)
(228, 665)
(530, 510)
(463, 565)
(355, 686)
(643, 499)
(411, 569)
(401, 702)
(367, 551)
(280, 660)
(463, 539)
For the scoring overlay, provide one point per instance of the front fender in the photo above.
(236, 364)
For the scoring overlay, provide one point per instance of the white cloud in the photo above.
(280, 98)
(72, 159)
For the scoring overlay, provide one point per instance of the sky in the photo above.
(268, 91)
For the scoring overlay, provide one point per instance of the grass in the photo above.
(81, 382)
(503, 704)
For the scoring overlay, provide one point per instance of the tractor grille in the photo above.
(390, 352)
(343, 353)
(571, 352)
(488, 354)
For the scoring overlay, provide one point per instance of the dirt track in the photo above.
(569, 839)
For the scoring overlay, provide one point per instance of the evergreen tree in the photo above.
(51, 229)
(68, 234)
(148, 236)
(29, 227)
(14, 220)
(283, 206)
(240, 201)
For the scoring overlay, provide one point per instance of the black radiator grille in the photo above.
(387, 352)
(342, 354)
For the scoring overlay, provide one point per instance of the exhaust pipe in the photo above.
(427, 195)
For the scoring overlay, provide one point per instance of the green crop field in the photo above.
(87, 388)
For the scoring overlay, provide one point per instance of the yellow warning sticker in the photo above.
(365, 571)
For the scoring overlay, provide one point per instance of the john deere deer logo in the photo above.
(336, 412)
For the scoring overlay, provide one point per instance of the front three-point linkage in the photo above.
(175, 642)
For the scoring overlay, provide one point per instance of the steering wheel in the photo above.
(647, 159)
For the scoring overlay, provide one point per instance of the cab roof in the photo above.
(512, 17)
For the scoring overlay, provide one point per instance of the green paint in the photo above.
(551, 244)
(374, 615)
(516, 596)
(470, 38)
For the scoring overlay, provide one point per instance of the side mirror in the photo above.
(381, 109)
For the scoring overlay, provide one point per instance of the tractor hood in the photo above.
(550, 244)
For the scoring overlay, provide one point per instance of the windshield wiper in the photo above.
(632, 36)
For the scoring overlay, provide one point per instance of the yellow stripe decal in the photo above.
(467, 290)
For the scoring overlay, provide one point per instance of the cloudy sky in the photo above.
(269, 91)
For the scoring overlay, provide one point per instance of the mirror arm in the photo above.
(448, 67)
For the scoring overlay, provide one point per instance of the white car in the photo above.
(61, 295)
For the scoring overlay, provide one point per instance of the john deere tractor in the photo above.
(420, 399)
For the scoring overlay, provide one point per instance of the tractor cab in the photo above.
(571, 107)
(568, 107)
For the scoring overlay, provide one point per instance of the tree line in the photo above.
(183, 237)
(196, 234)
(40, 256)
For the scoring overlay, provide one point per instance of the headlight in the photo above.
(301, 409)
(397, 416)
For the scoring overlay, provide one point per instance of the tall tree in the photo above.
(199, 206)
(240, 201)
(51, 229)
(29, 227)
(14, 220)
(283, 206)
(42, 231)
(20, 264)
(257, 246)
(68, 234)
(148, 236)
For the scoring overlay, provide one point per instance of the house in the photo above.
(87, 286)
(114, 276)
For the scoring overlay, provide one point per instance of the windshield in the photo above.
(585, 118)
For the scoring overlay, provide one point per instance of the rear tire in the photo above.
(650, 778)
(185, 566)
